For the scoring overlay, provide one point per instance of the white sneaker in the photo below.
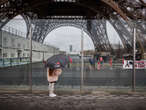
(52, 95)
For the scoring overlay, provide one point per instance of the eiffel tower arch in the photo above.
(120, 13)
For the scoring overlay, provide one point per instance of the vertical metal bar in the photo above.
(30, 75)
(43, 57)
(134, 51)
(82, 60)
(2, 47)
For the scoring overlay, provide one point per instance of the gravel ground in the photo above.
(72, 102)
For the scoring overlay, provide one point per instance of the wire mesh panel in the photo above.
(108, 66)
(14, 61)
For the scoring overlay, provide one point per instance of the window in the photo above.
(5, 41)
(0, 53)
(13, 42)
(39, 55)
(19, 53)
(27, 45)
(23, 46)
(19, 45)
(5, 55)
(12, 55)
(23, 54)
(28, 55)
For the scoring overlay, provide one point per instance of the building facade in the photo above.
(15, 46)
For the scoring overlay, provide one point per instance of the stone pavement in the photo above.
(72, 102)
(37, 96)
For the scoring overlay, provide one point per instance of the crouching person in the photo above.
(52, 77)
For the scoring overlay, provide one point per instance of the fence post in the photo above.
(30, 74)
(82, 60)
(2, 47)
(134, 50)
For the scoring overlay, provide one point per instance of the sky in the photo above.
(63, 37)
(113, 35)
(66, 36)
(17, 23)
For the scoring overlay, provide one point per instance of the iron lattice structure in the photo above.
(91, 15)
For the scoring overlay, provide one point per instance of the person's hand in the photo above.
(57, 71)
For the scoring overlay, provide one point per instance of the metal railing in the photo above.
(14, 31)
(5, 62)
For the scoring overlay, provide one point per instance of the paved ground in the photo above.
(72, 102)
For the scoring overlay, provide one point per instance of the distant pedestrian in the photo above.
(101, 60)
(110, 62)
(92, 62)
(98, 65)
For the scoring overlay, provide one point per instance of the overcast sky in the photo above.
(64, 36)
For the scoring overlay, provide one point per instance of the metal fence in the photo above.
(17, 77)
(21, 73)
(5, 62)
